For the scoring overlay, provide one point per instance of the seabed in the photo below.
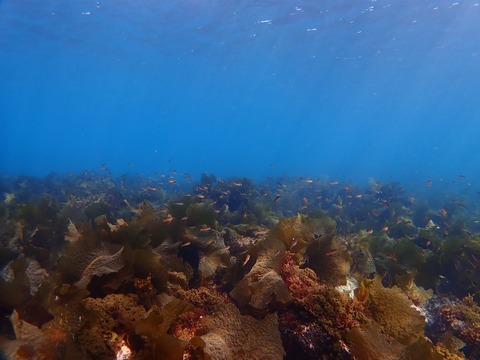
(168, 267)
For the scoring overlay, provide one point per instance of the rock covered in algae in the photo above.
(392, 310)
(99, 338)
(263, 285)
(234, 336)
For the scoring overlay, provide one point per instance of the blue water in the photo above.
(344, 89)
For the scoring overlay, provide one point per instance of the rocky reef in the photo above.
(93, 267)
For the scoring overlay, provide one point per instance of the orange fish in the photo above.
(392, 256)
(294, 243)
(277, 198)
(168, 219)
(385, 228)
(443, 212)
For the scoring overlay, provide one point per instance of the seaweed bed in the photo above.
(93, 267)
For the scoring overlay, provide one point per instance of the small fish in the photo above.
(294, 243)
(277, 198)
(305, 200)
(152, 188)
(199, 196)
(331, 252)
(205, 228)
(245, 261)
(385, 228)
(337, 206)
(443, 212)
(261, 232)
(186, 244)
(168, 219)
(172, 182)
(179, 203)
(369, 232)
(358, 196)
(309, 181)
(333, 182)
(185, 218)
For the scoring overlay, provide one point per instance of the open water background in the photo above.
(350, 90)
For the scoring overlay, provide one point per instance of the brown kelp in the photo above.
(93, 267)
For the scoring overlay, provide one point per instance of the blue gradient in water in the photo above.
(346, 89)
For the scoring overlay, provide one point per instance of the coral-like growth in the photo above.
(262, 285)
(391, 309)
(90, 256)
(333, 311)
(230, 335)
(101, 335)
